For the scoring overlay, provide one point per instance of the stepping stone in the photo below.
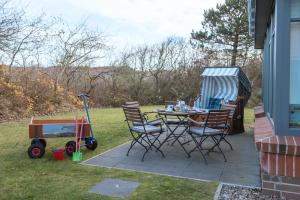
(115, 188)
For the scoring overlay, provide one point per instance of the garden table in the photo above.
(182, 122)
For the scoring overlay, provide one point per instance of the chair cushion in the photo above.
(214, 103)
(220, 126)
(172, 121)
(155, 123)
(175, 121)
(208, 131)
(148, 128)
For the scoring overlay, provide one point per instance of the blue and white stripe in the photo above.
(219, 83)
(221, 71)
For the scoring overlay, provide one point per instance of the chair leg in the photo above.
(225, 140)
(175, 138)
(131, 145)
(151, 144)
(157, 148)
(143, 140)
(147, 149)
(159, 143)
(198, 145)
(217, 144)
(135, 140)
(166, 140)
(202, 139)
(139, 139)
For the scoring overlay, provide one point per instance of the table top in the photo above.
(178, 113)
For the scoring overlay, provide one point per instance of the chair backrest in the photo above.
(132, 104)
(231, 109)
(133, 115)
(217, 118)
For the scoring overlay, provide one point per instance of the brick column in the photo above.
(279, 159)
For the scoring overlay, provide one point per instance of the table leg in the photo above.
(172, 133)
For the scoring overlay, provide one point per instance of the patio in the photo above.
(241, 168)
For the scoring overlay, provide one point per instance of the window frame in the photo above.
(293, 20)
(282, 70)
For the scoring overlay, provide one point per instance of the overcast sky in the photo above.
(129, 22)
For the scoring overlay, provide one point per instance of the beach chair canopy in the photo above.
(224, 83)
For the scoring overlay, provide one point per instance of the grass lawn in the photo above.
(23, 178)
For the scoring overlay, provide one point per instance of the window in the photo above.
(295, 65)
(271, 63)
(269, 69)
(295, 9)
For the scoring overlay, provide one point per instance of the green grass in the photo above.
(248, 117)
(23, 178)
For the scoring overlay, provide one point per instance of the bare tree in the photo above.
(136, 63)
(74, 48)
(9, 24)
(31, 36)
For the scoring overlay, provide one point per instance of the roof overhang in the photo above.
(259, 18)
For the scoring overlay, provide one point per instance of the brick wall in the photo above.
(279, 159)
(287, 187)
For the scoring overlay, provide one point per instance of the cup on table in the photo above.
(170, 108)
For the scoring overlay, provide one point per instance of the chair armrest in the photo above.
(195, 122)
(158, 119)
(150, 112)
(146, 116)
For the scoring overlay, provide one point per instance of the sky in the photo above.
(128, 22)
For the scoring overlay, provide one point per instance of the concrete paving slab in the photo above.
(243, 174)
(241, 168)
(106, 161)
(115, 188)
(199, 170)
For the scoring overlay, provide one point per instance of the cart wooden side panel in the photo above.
(53, 121)
(35, 129)
(57, 128)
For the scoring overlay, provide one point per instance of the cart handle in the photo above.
(83, 96)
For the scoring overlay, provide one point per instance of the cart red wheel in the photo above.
(70, 147)
(36, 151)
(41, 141)
(91, 143)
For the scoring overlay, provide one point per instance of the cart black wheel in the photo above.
(70, 147)
(39, 141)
(36, 151)
(91, 143)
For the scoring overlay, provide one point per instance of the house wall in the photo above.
(276, 73)
(277, 141)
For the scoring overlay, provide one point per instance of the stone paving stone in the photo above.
(119, 151)
(243, 174)
(105, 161)
(115, 188)
(242, 166)
(199, 170)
